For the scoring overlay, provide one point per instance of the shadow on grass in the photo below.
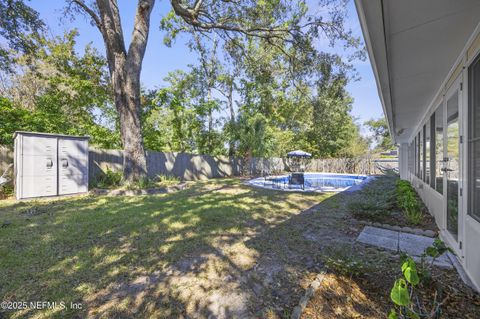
(218, 249)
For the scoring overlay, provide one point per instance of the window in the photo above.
(417, 157)
(437, 175)
(474, 140)
(432, 151)
(421, 157)
(410, 158)
(426, 133)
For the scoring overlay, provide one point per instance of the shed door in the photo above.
(72, 166)
(39, 166)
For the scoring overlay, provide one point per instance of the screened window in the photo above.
(410, 158)
(432, 151)
(474, 140)
(421, 155)
(417, 157)
(439, 149)
(426, 133)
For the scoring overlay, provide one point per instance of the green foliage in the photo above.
(19, 26)
(15, 119)
(408, 201)
(381, 134)
(399, 293)
(7, 190)
(286, 94)
(167, 179)
(109, 179)
(368, 208)
(375, 201)
(408, 301)
(60, 91)
(392, 314)
(332, 131)
(160, 181)
(409, 270)
(437, 249)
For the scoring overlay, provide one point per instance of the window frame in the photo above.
(433, 151)
(471, 139)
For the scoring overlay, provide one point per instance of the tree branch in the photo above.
(90, 12)
(138, 45)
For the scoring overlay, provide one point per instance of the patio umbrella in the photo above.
(299, 153)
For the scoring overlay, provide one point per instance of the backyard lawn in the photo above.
(166, 255)
(217, 249)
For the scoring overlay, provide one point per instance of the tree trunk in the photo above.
(210, 120)
(231, 143)
(125, 68)
(127, 102)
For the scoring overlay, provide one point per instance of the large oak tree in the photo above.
(275, 21)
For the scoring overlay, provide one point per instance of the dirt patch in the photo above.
(341, 297)
(367, 296)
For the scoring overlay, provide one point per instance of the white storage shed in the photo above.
(50, 164)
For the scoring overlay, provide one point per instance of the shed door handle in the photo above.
(64, 163)
(49, 163)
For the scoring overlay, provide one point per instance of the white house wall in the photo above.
(469, 256)
(418, 49)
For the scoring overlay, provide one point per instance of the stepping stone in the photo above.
(379, 237)
(414, 245)
(411, 244)
(381, 232)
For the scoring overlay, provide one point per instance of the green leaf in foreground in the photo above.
(399, 293)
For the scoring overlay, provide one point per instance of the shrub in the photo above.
(167, 179)
(408, 201)
(109, 179)
(6, 191)
(157, 182)
(368, 208)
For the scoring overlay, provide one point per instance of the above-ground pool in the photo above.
(313, 182)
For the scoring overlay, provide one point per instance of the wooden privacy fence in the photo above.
(6, 158)
(192, 167)
(182, 165)
(360, 165)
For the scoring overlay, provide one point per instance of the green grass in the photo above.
(71, 249)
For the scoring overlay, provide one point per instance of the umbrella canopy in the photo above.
(299, 153)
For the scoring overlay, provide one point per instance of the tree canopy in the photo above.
(381, 133)
(263, 84)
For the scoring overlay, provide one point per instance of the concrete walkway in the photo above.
(413, 245)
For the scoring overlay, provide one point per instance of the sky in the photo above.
(160, 59)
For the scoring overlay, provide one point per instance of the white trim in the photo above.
(371, 56)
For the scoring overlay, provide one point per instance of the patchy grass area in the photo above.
(218, 249)
(167, 255)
